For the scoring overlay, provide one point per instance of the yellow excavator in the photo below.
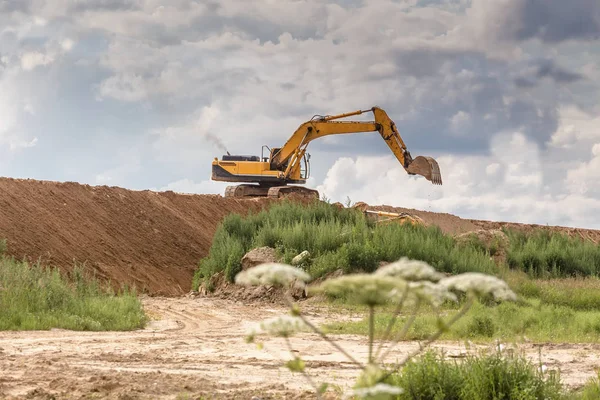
(277, 174)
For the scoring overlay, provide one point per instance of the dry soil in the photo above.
(195, 348)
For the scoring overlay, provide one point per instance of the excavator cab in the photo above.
(304, 164)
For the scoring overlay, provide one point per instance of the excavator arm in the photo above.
(272, 176)
(290, 155)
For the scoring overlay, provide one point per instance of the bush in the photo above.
(492, 376)
(33, 297)
(547, 254)
(336, 239)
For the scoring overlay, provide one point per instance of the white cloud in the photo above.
(506, 185)
(189, 80)
(67, 44)
(189, 186)
(30, 60)
(460, 122)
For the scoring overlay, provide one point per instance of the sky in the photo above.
(143, 94)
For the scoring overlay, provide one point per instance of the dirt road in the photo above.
(195, 348)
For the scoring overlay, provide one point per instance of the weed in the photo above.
(549, 254)
(404, 283)
(336, 239)
(34, 297)
(479, 377)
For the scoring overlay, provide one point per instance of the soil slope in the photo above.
(143, 238)
(152, 240)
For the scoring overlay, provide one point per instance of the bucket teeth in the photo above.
(427, 167)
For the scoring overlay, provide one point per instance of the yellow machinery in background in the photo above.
(402, 218)
(289, 165)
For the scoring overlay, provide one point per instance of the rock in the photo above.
(300, 258)
(258, 256)
(494, 240)
(297, 290)
(361, 206)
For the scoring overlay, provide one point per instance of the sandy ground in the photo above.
(195, 348)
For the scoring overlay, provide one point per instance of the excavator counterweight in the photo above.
(289, 165)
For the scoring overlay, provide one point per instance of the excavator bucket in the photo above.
(427, 167)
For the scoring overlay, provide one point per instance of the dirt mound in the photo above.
(221, 288)
(448, 223)
(143, 238)
(585, 234)
(150, 240)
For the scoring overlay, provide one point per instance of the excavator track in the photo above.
(240, 191)
(278, 191)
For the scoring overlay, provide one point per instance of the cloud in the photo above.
(31, 60)
(189, 186)
(550, 21)
(473, 82)
(507, 185)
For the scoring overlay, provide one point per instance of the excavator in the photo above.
(278, 173)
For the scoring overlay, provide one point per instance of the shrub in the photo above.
(486, 376)
(547, 254)
(34, 297)
(336, 238)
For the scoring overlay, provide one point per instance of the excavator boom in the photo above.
(284, 165)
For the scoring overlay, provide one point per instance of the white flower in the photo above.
(480, 284)
(410, 270)
(366, 289)
(432, 293)
(271, 274)
(380, 391)
(282, 326)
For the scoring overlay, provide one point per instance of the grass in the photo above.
(346, 239)
(336, 238)
(547, 254)
(507, 321)
(36, 298)
(566, 309)
(482, 377)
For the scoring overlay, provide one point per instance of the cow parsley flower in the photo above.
(282, 326)
(368, 289)
(480, 284)
(378, 391)
(410, 270)
(431, 293)
(271, 274)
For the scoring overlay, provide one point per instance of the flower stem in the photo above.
(392, 322)
(308, 378)
(324, 336)
(431, 339)
(371, 331)
(403, 331)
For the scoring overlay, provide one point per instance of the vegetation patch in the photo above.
(484, 323)
(36, 298)
(547, 254)
(336, 238)
(482, 377)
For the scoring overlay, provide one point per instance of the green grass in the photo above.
(566, 309)
(482, 377)
(507, 321)
(550, 254)
(33, 297)
(336, 238)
